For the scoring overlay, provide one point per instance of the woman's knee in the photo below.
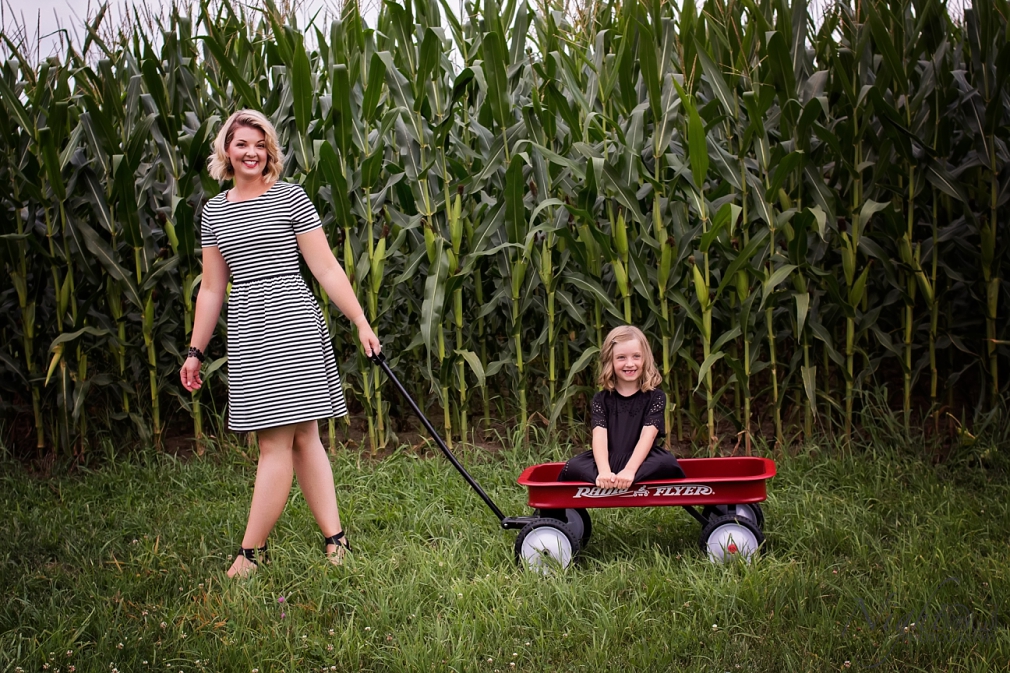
(276, 440)
(306, 436)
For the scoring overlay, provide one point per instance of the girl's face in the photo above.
(628, 361)
(248, 153)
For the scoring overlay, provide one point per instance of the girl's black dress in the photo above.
(624, 418)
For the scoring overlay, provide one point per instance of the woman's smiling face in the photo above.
(628, 361)
(248, 153)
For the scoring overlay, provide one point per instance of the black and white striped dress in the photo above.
(281, 367)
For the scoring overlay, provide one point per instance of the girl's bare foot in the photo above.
(242, 567)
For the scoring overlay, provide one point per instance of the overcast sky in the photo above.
(42, 18)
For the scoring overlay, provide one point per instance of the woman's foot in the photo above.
(336, 547)
(245, 564)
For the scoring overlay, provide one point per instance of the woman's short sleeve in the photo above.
(654, 414)
(598, 412)
(303, 213)
(207, 238)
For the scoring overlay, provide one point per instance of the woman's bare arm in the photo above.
(324, 266)
(209, 300)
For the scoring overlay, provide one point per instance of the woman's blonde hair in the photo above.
(219, 166)
(650, 378)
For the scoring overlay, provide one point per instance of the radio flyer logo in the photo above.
(935, 622)
(644, 491)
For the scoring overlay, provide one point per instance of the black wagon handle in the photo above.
(380, 360)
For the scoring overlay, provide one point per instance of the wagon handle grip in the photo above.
(380, 360)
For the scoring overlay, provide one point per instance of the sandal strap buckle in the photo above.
(250, 555)
(336, 539)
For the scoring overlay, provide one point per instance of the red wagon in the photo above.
(727, 490)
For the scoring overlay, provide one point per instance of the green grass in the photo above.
(123, 567)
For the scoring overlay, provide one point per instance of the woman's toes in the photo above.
(335, 553)
(242, 567)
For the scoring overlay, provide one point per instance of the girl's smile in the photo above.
(628, 363)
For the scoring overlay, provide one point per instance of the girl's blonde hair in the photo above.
(650, 379)
(219, 166)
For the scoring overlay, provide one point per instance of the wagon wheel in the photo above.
(577, 519)
(750, 511)
(726, 537)
(587, 526)
(544, 543)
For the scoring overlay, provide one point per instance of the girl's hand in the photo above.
(624, 478)
(605, 480)
(369, 341)
(190, 374)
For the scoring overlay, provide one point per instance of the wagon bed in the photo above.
(708, 481)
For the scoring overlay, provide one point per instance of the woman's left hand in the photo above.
(369, 341)
(624, 478)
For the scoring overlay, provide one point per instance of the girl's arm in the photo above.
(209, 300)
(625, 477)
(602, 457)
(324, 266)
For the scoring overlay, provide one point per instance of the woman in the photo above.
(282, 375)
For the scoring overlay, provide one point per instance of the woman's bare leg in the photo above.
(273, 484)
(315, 477)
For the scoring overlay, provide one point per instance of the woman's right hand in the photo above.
(190, 374)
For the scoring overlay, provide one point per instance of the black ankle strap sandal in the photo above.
(250, 554)
(336, 539)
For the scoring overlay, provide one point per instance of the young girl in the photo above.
(627, 418)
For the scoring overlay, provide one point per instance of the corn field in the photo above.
(793, 211)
